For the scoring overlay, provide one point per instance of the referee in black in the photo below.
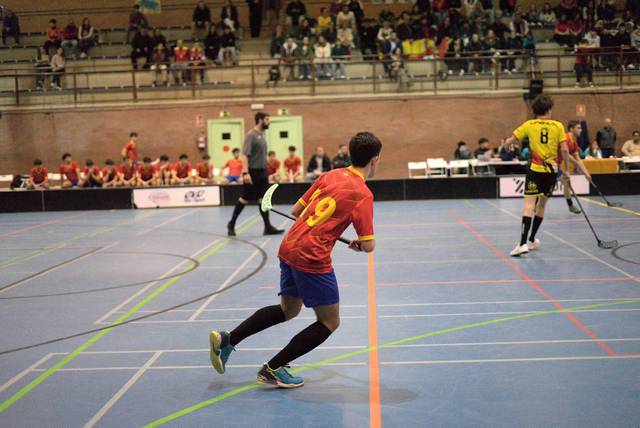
(254, 174)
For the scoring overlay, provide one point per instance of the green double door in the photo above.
(226, 134)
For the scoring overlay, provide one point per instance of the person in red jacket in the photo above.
(147, 174)
(39, 176)
(273, 167)
(91, 175)
(181, 171)
(130, 150)
(204, 171)
(69, 172)
(127, 173)
(110, 176)
(180, 64)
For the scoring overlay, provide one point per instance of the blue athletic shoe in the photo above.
(279, 377)
(218, 355)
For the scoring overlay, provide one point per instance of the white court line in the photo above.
(185, 367)
(60, 266)
(171, 220)
(508, 360)
(102, 319)
(230, 278)
(228, 320)
(25, 372)
(118, 395)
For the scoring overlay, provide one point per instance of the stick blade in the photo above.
(607, 245)
(266, 204)
(615, 204)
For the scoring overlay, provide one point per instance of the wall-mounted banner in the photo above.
(150, 6)
(164, 197)
(513, 186)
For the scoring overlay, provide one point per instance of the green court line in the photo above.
(90, 234)
(49, 372)
(255, 385)
(469, 203)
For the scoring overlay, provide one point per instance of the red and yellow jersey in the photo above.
(127, 171)
(292, 165)
(70, 171)
(204, 170)
(181, 54)
(273, 166)
(235, 167)
(147, 172)
(132, 150)
(336, 200)
(545, 136)
(182, 170)
(572, 147)
(38, 175)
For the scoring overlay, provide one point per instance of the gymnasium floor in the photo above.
(439, 328)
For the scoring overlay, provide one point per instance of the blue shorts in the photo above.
(233, 178)
(315, 289)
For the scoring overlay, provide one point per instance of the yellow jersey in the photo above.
(545, 137)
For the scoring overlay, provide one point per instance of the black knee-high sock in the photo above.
(534, 229)
(260, 320)
(236, 212)
(569, 201)
(265, 218)
(305, 341)
(524, 230)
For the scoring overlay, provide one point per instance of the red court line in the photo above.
(375, 416)
(46, 223)
(504, 281)
(533, 283)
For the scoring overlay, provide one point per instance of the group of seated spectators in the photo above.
(318, 164)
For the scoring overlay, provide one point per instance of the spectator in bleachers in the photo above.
(513, 47)
(462, 152)
(38, 177)
(127, 173)
(568, 7)
(181, 171)
(483, 152)
(130, 150)
(347, 17)
(493, 46)
(322, 51)
(500, 28)
(141, 47)
(164, 171)
(342, 158)
(634, 7)
(606, 10)
(341, 54)
(345, 35)
(477, 50)
(302, 30)
(137, 21)
(330, 34)
(509, 152)
(403, 27)
(69, 172)
(593, 151)
(204, 172)
(634, 39)
(255, 17)
(70, 39)
(272, 12)
(324, 20)
(632, 147)
(273, 167)
(547, 17)
(479, 12)
(109, 175)
(54, 39)
(10, 27)
(455, 56)
(158, 38)
(288, 57)
(197, 63)
(228, 47)
(295, 10)
(229, 16)
(454, 9)
(519, 25)
(159, 63)
(447, 30)
(589, 14)
(146, 174)
(532, 16)
(368, 35)
(356, 7)
(318, 164)
(384, 33)
(180, 63)
(293, 166)
(86, 37)
(305, 60)
(91, 175)
(200, 20)
(583, 66)
(606, 138)
(43, 67)
(212, 43)
(58, 63)
(277, 41)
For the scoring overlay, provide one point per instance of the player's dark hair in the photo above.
(108, 162)
(206, 157)
(235, 150)
(146, 159)
(461, 143)
(636, 132)
(183, 156)
(164, 158)
(271, 152)
(53, 21)
(133, 134)
(66, 155)
(37, 162)
(572, 124)
(482, 141)
(363, 147)
(260, 115)
(89, 162)
(292, 148)
(542, 105)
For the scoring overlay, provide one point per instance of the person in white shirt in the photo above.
(323, 57)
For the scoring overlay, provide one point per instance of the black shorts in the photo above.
(539, 183)
(259, 185)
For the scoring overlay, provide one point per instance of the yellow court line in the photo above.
(602, 204)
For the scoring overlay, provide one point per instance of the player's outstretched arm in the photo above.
(365, 246)
(507, 141)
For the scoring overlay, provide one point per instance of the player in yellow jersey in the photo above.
(546, 139)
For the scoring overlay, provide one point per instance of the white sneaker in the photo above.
(532, 246)
(519, 250)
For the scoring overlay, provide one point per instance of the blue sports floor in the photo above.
(440, 328)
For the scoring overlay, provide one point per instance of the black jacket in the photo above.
(313, 165)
